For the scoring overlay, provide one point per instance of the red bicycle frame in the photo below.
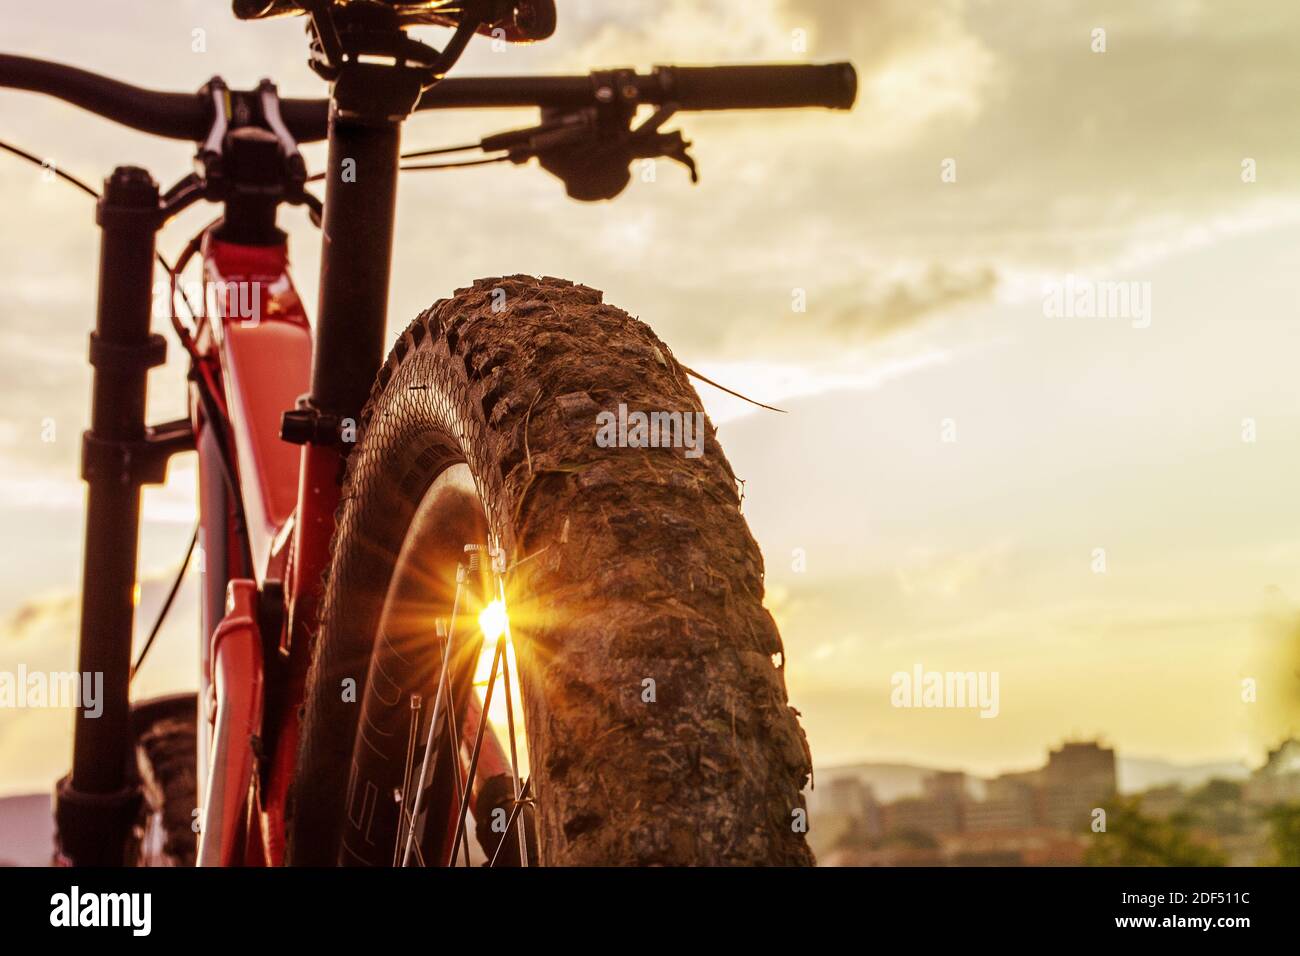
(257, 341)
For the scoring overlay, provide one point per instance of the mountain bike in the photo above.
(441, 621)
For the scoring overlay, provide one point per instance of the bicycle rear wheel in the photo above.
(166, 741)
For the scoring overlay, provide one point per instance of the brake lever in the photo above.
(672, 146)
(649, 143)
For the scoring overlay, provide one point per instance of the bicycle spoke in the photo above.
(478, 745)
(454, 737)
(510, 729)
(437, 710)
(412, 736)
(405, 818)
(442, 719)
(516, 811)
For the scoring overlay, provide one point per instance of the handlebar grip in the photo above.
(832, 85)
(176, 115)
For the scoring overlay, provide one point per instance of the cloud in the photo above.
(866, 312)
(927, 574)
(917, 62)
(38, 616)
(644, 32)
(41, 635)
(1066, 159)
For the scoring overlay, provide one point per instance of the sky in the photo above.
(1098, 509)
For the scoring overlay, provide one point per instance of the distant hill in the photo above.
(26, 830)
(1142, 773)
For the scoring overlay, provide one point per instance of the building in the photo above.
(1078, 778)
(849, 797)
(919, 815)
(946, 790)
(1011, 802)
(843, 812)
(940, 809)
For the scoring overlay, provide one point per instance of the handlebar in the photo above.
(187, 116)
(696, 88)
(173, 115)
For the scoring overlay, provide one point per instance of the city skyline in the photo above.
(1068, 811)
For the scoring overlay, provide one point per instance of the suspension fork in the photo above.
(97, 804)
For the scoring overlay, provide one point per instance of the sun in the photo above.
(492, 620)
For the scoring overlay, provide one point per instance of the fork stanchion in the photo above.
(96, 806)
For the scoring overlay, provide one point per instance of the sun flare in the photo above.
(492, 620)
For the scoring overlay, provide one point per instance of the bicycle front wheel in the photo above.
(526, 417)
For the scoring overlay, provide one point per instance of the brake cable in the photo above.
(416, 167)
(442, 150)
(68, 178)
(166, 605)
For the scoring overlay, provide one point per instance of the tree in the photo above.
(1132, 839)
(1284, 833)
(1217, 807)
